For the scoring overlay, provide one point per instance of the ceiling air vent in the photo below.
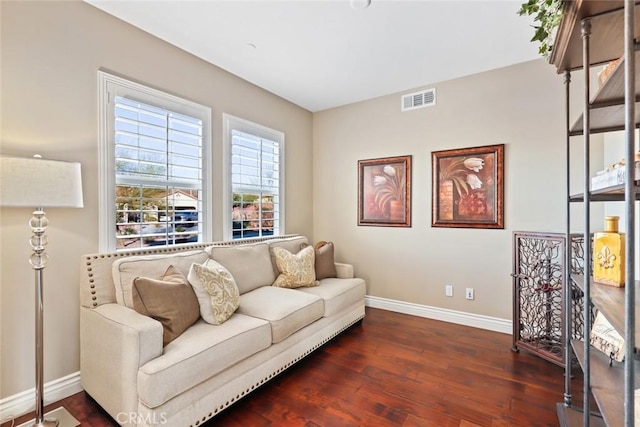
(425, 98)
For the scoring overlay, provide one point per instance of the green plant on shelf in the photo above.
(548, 14)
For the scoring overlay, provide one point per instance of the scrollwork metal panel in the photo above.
(538, 280)
(577, 296)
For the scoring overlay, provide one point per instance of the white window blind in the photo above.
(158, 187)
(158, 175)
(157, 144)
(256, 180)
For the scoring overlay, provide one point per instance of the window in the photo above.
(255, 187)
(154, 186)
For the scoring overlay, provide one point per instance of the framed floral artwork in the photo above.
(384, 192)
(468, 187)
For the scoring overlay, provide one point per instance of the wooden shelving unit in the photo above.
(607, 105)
(594, 32)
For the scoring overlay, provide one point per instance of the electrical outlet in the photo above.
(469, 294)
(448, 290)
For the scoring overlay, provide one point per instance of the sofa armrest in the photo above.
(114, 342)
(345, 271)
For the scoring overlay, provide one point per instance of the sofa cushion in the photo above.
(338, 294)
(201, 352)
(296, 270)
(287, 310)
(125, 269)
(292, 244)
(249, 264)
(216, 290)
(169, 300)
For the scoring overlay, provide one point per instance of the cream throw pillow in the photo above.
(296, 270)
(216, 290)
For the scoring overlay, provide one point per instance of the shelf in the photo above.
(610, 194)
(610, 301)
(606, 41)
(607, 383)
(605, 119)
(572, 417)
(607, 105)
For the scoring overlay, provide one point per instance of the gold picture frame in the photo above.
(384, 192)
(468, 187)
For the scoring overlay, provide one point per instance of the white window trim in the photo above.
(106, 157)
(229, 123)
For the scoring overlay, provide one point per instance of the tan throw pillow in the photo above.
(325, 263)
(296, 270)
(170, 300)
(216, 290)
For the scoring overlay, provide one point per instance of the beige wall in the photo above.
(50, 54)
(521, 106)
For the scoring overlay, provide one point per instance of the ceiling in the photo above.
(323, 54)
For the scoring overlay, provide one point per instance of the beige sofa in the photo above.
(126, 369)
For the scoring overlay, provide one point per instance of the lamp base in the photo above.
(58, 417)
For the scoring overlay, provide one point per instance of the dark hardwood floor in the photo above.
(394, 370)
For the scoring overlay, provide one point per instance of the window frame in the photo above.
(230, 123)
(110, 86)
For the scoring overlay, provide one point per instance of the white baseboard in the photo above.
(459, 317)
(21, 403)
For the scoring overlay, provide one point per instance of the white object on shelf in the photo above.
(606, 339)
(611, 177)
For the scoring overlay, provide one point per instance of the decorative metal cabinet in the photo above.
(539, 279)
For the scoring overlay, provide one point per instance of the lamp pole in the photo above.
(38, 260)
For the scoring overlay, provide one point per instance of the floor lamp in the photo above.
(38, 183)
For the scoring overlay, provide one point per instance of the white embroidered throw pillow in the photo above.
(296, 270)
(216, 290)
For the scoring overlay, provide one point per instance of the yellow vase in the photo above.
(608, 254)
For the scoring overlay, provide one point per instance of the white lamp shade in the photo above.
(39, 183)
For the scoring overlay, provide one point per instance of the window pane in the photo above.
(164, 148)
(255, 180)
(148, 216)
